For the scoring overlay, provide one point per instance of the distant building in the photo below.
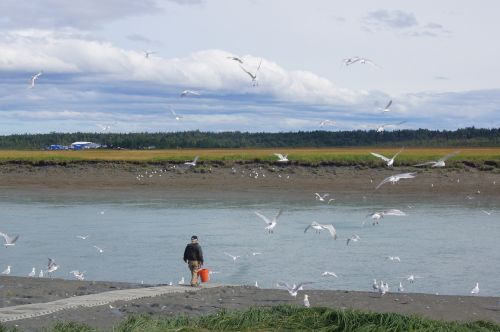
(84, 145)
(57, 147)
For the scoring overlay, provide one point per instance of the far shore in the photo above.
(248, 178)
(21, 290)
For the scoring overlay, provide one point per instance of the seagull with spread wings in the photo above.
(9, 241)
(319, 227)
(388, 161)
(271, 224)
(395, 178)
(376, 216)
(439, 162)
(253, 76)
(192, 163)
(381, 128)
(294, 289)
(34, 78)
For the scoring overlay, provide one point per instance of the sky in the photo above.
(436, 60)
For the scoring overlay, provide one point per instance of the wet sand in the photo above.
(34, 290)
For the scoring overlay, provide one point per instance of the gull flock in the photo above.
(271, 224)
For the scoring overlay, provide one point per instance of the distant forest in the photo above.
(467, 137)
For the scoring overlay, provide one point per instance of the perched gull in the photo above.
(176, 116)
(192, 163)
(395, 178)
(253, 76)
(383, 288)
(99, 249)
(233, 257)
(235, 58)
(376, 216)
(326, 123)
(181, 282)
(32, 273)
(256, 284)
(187, 93)
(386, 108)
(78, 275)
(393, 258)
(475, 290)
(83, 237)
(52, 266)
(271, 224)
(7, 270)
(294, 289)
(357, 59)
(40, 275)
(388, 161)
(306, 301)
(34, 78)
(9, 241)
(320, 197)
(282, 158)
(374, 284)
(319, 227)
(439, 162)
(354, 238)
(328, 273)
(401, 288)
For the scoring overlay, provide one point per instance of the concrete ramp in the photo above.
(24, 311)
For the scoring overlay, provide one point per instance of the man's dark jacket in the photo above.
(193, 253)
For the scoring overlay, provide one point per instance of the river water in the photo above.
(450, 243)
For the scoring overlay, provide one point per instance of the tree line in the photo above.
(466, 137)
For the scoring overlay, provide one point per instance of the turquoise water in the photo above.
(451, 243)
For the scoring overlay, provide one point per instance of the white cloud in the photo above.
(210, 70)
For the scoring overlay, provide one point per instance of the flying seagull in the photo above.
(233, 257)
(381, 128)
(294, 289)
(353, 238)
(34, 78)
(235, 58)
(388, 161)
(253, 75)
(328, 273)
(52, 266)
(9, 241)
(99, 249)
(187, 93)
(148, 53)
(393, 258)
(386, 108)
(83, 237)
(78, 275)
(192, 163)
(282, 158)
(475, 290)
(176, 116)
(326, 122)
(357, 59)
(321, 198)
(395, 178)
(271, 224)
(319, 227)
(376, 216)
(439, 162)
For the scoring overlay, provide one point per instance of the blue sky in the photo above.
(438, 63)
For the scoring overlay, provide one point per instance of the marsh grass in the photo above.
(287, 318)
(475, 157)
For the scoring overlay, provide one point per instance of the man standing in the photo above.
(193, 256)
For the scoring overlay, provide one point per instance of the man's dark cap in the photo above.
(194, 237)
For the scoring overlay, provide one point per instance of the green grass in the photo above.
(287, 318)
(475, 157)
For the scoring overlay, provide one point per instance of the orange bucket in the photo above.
(204, 275)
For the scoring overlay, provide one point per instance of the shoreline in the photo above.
(247, 178)
(210, 300)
